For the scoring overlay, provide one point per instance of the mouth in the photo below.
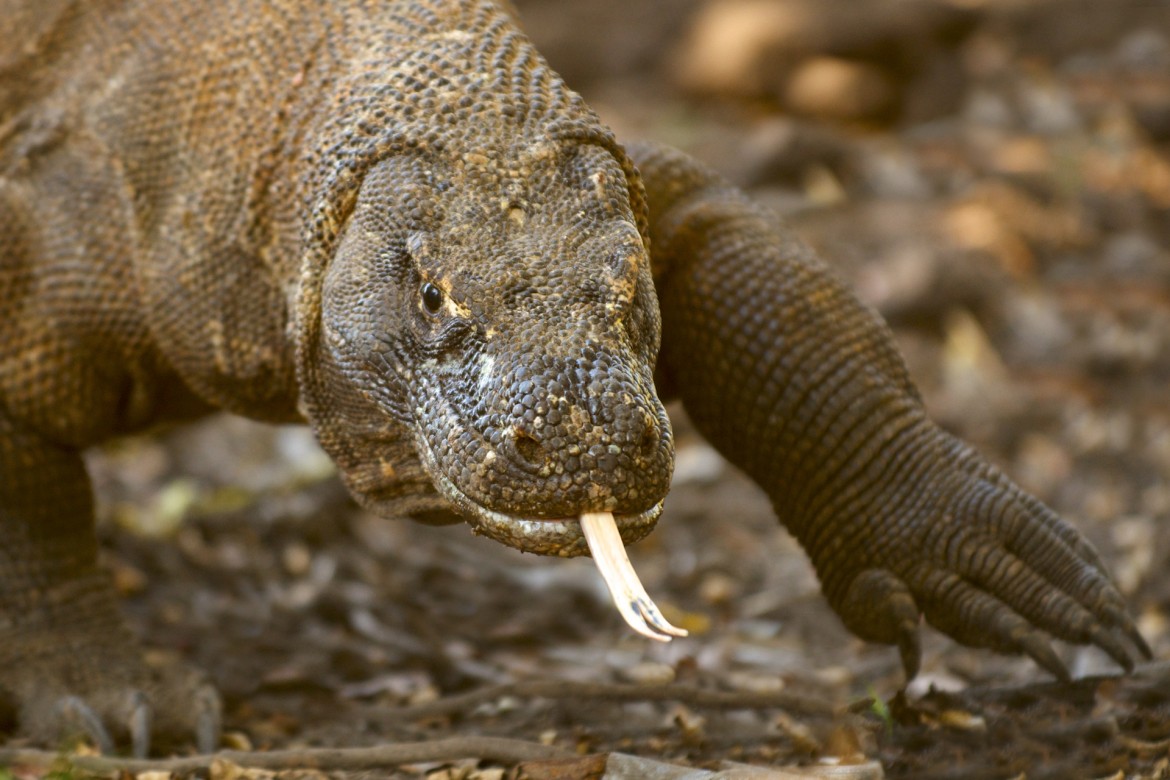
(600, 534)
(555, 536)
(559, 536)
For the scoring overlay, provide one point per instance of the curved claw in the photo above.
(74, 711)
(131, 717)
(209, 719)
(1038, 568)
(1139, 641)
(1113, 647)
(979, 619)
(1037, 647)
(1117, 617)
(881, 607)
(910, 650)
(139, 725)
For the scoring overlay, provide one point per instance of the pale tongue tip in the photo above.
(630, 598)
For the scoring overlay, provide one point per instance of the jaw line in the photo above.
(543, 536)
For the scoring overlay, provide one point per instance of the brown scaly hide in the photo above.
(394, 220)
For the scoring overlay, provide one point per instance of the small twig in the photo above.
(564, 689)
(1146, 748)
(505, 751)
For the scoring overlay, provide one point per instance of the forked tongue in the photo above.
(605, 543)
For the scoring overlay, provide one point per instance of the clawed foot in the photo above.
(111, 697)
(985, 563)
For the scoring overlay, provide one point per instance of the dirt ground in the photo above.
(995, 178)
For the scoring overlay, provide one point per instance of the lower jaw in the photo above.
(560, 537)
(541, 536)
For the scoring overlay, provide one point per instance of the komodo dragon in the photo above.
(394, 221)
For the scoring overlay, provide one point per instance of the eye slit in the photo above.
(432, 297)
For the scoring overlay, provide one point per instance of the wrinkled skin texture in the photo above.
(393, 221)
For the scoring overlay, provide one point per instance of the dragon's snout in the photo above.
(571, 438)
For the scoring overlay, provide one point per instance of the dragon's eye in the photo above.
(432, 297)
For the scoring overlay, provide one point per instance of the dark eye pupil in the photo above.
(432, 297)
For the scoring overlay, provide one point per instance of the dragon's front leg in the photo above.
(799, 384)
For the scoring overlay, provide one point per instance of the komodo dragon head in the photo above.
(478, 323)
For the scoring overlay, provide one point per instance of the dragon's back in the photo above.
(37, 38)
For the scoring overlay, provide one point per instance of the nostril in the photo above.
(648, 443)
(650, 437)
(528, 447)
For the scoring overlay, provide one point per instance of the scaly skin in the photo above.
(394, 221)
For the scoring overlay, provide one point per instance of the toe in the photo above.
(978, 619)
(72, 717)
(208, 719)
(139, 724)
(879, 606)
